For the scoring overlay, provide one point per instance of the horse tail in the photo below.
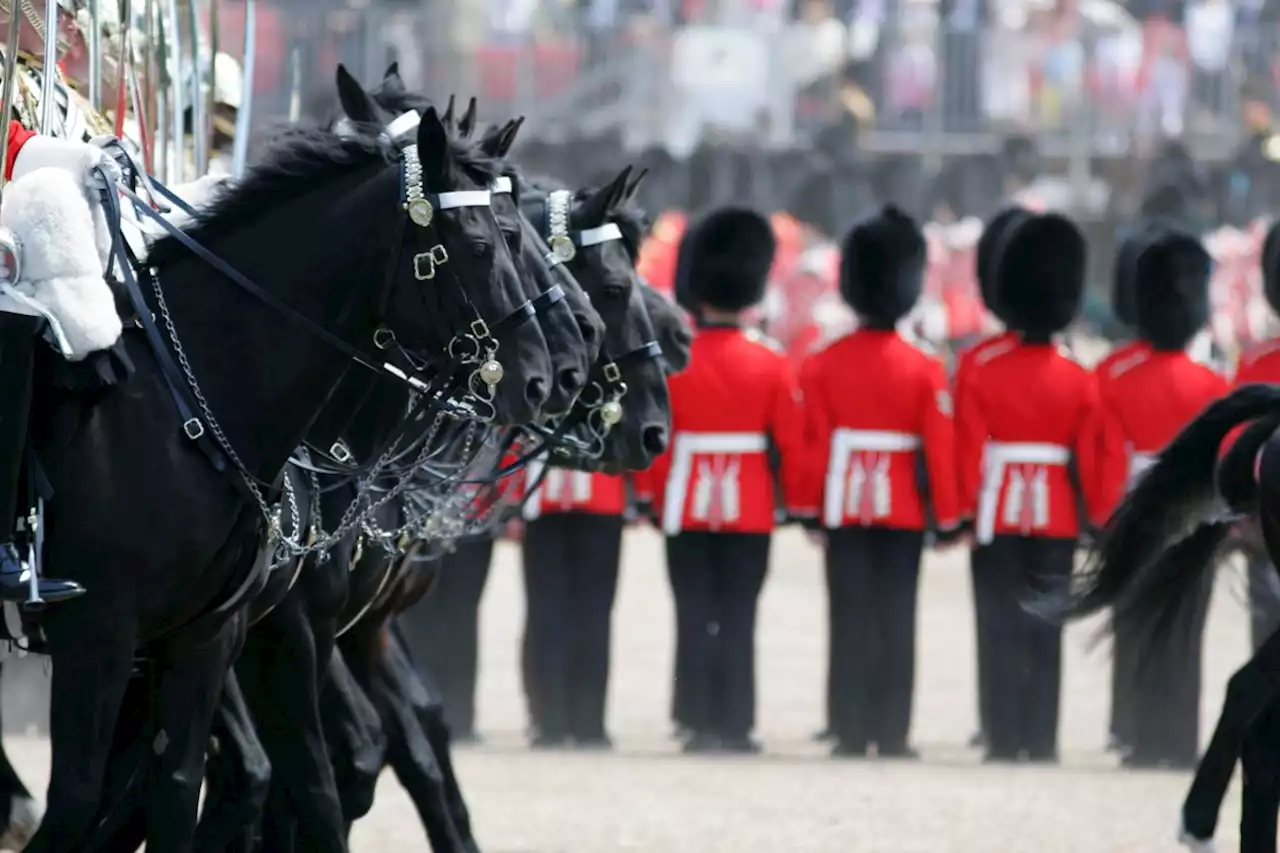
(1166, 594)
(1173, 497)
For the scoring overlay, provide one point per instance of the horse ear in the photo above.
(447, 118)
(433, 144)
(595, 210)
(619, 196)
(392, 82)
(356, 103)
(634, 185)
(467, 123)
(492, 140)
(509, 135)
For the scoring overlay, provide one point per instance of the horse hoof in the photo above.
(24, 819)
(1189, 841)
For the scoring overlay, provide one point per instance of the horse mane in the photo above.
(297, 159)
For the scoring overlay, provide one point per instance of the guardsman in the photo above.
(984, 271)
(885, 443)
(572, 550)
(1025, 429)
(714, 490)
(1261, 363)
(1123, 662)
(442, 631)
(1146, 399)
(53, 282)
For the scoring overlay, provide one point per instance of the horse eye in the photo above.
(481, 249)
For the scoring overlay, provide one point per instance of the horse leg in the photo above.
(357, 745)
(237, 778)
(92, 667)
(189, 683)
(430, 713)
(408, 751)
(1249, 691)
(20, 812)
(1260, 796)
(280, 677)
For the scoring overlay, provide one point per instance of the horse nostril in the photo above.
(654, 439)
(570, 380)
(535, 392)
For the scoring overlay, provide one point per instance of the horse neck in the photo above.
(382, 409)
(266, 377)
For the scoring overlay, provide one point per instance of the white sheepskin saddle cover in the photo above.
(64, 241)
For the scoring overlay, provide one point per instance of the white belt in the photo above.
(686, 446)
(996, 457)
(1138, 463)
(576, 483)
(845, 442)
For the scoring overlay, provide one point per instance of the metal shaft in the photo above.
(197, 96)
(49, 73)
(95, 57)
(10, 79)
(240, 150)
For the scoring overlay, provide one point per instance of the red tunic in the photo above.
(867, 428)
(736, 399)
(1258, 363)
(18, 136)
(1024, 411)
(968, 355)
(1147, 398)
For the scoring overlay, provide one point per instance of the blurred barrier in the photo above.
(1091, 88)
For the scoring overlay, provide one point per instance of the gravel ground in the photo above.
(646, 797)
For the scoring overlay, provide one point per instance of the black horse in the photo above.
(259, 353)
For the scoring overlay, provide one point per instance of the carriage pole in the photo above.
(10, 78)
(197, 94)
(174, 31)
(95, 58)
(240, 145)
(210, 99)
(48, 75)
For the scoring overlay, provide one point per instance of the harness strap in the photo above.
(169, 370)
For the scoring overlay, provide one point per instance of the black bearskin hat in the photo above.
(724, 260)
(1171, 289)
(882, 261)
(1271, 266)
(1040, 269)
(985, 255)
(1124, 272)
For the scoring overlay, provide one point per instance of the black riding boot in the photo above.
(17, 352)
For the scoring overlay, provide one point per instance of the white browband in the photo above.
(596, 236)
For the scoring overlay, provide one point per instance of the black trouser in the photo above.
(873, 575)
(1166, 692)
(1264, 597)
(443, 630)
(978, 559)
(1025, 657)
(17, 366)
(1124, 685)
(571, 565)
(716, 579)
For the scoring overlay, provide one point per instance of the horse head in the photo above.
(573, 331)
(475, 304)
(596, 233)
